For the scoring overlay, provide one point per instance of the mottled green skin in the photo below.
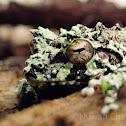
(49, 65)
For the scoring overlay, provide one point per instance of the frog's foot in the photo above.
(26, 94)
(110, 85)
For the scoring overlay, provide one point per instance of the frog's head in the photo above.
(72, 56)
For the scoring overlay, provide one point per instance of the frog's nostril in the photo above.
(79, 51)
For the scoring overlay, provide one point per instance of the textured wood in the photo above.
(63, 13)
(10, 73)
(14, 40)
(73, 110)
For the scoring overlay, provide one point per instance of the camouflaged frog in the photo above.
(94, 55)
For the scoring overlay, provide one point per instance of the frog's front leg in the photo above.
(110, 84)
(26, 94)
(110, 98)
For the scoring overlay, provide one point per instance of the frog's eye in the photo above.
(79, 51)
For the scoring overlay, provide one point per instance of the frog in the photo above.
(90, 57)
